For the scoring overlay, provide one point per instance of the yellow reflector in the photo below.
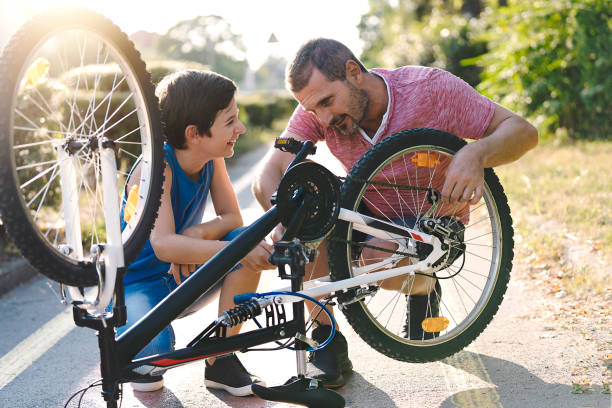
(130, 205)
(434, 324)
(37, 73)
(424, 159)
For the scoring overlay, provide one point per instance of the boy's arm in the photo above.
(172, 247)
(226, 205)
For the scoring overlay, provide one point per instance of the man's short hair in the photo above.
(328, 56)
(192, 97)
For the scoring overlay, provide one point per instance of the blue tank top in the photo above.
(188, 204)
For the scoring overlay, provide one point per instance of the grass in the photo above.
(560, 199)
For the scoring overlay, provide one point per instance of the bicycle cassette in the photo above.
(322, 186)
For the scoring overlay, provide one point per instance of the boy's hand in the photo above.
(176, 270)
(277, 233)
(257, 259)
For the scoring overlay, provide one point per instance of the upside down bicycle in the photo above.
(78, 111)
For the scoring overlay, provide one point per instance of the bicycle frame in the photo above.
(117, 364)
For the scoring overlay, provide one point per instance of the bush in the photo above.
(265, 115)
(262, 109)
(550, 60)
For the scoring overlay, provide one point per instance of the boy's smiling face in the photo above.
(224, 132)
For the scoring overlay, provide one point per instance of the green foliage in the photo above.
(551, 61)
(415, 32)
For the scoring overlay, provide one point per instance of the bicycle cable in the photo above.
(82, 391)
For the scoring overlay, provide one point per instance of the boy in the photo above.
(200, 120)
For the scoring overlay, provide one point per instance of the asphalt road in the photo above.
(521, 360)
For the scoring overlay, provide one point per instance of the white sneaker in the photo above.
(148, 383)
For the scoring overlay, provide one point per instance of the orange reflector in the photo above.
(130, 205)
(424, 159)
(37, 73)
(434, 324)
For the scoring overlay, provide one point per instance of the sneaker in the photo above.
(420, 307)
(148, 383)
(227, 373)
(331, 364)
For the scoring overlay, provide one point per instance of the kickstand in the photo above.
(303, 391)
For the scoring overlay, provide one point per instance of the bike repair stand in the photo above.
(304, 391)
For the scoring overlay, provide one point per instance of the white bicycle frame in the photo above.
(364, 275)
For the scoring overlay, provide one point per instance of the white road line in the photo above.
(29, 350)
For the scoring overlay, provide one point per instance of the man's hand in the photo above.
(257, 259)
(176, 270)
(464, 177)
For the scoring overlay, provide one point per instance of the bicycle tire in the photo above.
(384, 334)
(38, 72)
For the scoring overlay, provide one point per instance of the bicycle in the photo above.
(66, 157)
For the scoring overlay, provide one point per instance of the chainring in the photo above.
(324, 189)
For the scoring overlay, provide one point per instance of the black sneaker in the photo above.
(148, 383)
(330, 364)
(418, 308)
(227, 373)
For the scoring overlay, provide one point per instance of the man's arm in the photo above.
(506, 139)
(267, 180)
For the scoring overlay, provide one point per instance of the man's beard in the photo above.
(358, 106)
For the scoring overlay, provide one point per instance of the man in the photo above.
(352, 108)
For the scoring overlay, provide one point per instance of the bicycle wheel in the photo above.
(393, 182)
(68, 78)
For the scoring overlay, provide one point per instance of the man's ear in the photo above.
(353, 73)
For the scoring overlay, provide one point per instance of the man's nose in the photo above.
(325, 117)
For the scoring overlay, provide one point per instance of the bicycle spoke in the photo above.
(44, 193)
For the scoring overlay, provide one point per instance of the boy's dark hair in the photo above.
(192, 97)
(328, 56)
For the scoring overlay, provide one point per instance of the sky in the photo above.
(292, 22)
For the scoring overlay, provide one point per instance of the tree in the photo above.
(208, 40)
(438, 33)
